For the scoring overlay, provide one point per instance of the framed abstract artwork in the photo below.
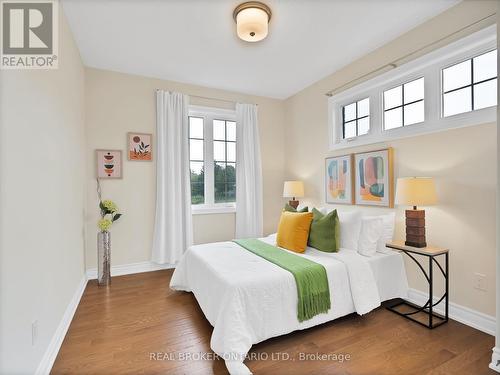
(140, 146)
(374, 178)
(109, 163)
(338, 179)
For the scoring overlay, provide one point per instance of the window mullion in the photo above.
(225, 159)
(403, 105)
(472, 82)
(357, 131)
(343, 122)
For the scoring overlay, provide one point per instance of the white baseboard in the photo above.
(128, 269)
(495, 360)
(462, 314)
(50, 355)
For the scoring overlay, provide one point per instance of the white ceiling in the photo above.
(194, 41)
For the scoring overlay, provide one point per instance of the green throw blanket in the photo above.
(311, 278)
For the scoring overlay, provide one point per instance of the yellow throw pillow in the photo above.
(293, 230)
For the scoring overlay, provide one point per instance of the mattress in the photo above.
(390, 274)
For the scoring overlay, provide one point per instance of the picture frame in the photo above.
(374, 178)
(339, 180)
(139, 146)
(109, 164)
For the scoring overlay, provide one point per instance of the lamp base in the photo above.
(415, 228)
(416, 244)
(294, 203)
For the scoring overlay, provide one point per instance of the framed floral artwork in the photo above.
(109, 163)
(374, 178)
(338, 179)
(140, 146)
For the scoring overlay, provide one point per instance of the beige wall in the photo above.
(463, 162)
(42, 146)
(117, 103)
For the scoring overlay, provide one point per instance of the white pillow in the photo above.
(388, 232)
(272, 237)
(372, 229)
(350, 227)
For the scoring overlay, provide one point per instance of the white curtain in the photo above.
(248, 173)
(173, 232)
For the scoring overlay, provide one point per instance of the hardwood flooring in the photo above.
(132, 326)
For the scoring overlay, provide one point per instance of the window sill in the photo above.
(208, 210)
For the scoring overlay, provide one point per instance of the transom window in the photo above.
(404, 104)
(212, 159)
(470, 84)
(356, 118)
(450, 87)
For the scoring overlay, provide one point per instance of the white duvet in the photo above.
(248, 299)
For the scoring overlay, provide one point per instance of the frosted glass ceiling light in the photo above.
(252, 20)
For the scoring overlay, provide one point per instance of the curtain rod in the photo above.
(394, 64)
(219, 100)
(216, 99)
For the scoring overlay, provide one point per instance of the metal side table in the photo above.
(434, 319)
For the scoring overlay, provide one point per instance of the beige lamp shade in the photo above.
(416, 191)
(252, 21)
(293, 189)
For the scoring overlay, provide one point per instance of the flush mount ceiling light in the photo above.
(252, 20)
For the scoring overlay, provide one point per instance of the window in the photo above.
(197, 160)
(212, 158)
(470, 85)
(450, 87)
(356, 118)
(404, 104)
(225, 160)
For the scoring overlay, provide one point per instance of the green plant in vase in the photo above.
(109, 214)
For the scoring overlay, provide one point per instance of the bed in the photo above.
(248, 299)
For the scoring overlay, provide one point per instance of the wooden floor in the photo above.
(117, 330)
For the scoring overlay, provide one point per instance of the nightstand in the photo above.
(434, 319)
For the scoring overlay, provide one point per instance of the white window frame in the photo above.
(471, 58)
(403, 105)
(356, 118)
(209, 114)
(428, 66)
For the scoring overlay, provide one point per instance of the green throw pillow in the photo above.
(292, 209)
(325, 232)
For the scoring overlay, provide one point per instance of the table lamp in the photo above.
(293, 189)
(415, 191)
